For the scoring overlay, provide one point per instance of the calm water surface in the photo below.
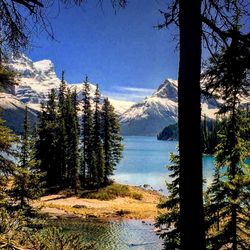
(145, 159)
(115, 235)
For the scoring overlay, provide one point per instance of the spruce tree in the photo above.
(7, 165)
(97, 140)
(214, 203)
(7, 78)
(72, 140)
(112, 140)
(210, 130)
(228, 74)
(27, 176)
(171, 218)
(61, 133)
(116, 139)
(47, 145)
(228, 208)
(88, 164)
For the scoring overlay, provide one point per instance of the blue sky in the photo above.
(121, 51)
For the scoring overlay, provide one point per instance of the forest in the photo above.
(65, 152)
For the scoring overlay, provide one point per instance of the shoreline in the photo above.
(60, 206)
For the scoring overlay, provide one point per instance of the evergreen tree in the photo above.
(171, 218)
(61, 133)
(111, 140)
(47, 145)
(27, 177)
(214, 203)
(58, 138)
(97, 140)
(228, 74)
(228, 209)
(72, 143)
(210, 139)
(7, 153)
(88, 164)
(7, 78)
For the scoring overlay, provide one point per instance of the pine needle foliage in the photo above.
(7, 79)
(7, 165)
(97, 139)
(170, 218)
(112, 140)
(88, 170)
(27, 184)
(228, 197)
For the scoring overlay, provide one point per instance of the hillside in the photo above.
(154, 113)
(12, 111)
(35, 80)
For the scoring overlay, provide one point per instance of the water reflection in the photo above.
(114, 235)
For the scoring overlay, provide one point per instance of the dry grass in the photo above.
(130, 202)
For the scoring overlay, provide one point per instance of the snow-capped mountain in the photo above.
(154, 113)
(36, 79)
(147, 117)
(13, 112)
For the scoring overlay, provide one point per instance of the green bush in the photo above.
(137, 196)
(111, 192)
(15, 235)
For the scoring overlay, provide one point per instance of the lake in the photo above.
(145, 159)
(114, 234)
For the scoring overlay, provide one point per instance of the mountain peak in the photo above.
(168, 89)
(44, 65)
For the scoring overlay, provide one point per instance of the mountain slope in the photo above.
(12, 111)
(35, 81)
(153, 113)
(156, 112)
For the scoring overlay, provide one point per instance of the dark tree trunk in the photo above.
(190, 146)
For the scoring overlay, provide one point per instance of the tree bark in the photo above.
(190, 146)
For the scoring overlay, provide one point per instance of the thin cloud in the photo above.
(125, 96)
(134, 89)
(131, 94)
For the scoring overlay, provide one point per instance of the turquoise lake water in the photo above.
(145, 159)
(114, 235)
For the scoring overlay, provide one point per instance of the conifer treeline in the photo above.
(75, 151)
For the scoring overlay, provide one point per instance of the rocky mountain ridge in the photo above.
(159, 110)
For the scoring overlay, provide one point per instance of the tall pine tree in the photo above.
(228, 74)
(88, 164)
(7, 165)
(97, 139)
(47, 144)
(72, 140)
(61, 133)
(27, 183)
(171, 218)
(112, 140)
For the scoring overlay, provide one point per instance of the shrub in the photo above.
(15, 234)
(111, 192)
(137, 196)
